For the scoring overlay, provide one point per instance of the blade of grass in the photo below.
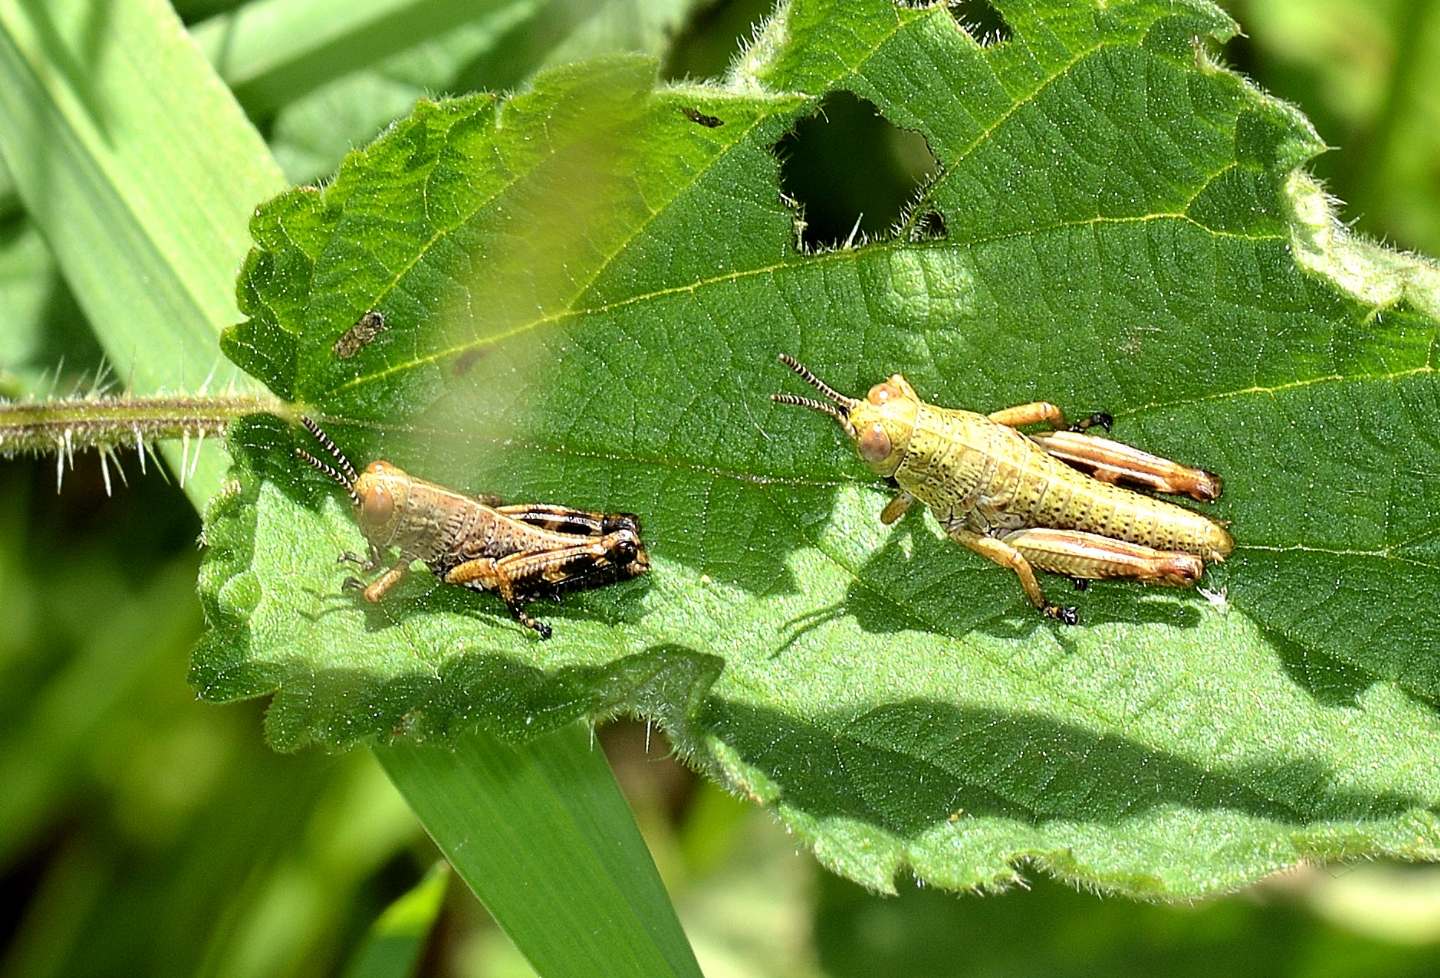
(100, 106)
(273, 51)
(554, 852)
(9, 203)
(141, 171)
(395, 941)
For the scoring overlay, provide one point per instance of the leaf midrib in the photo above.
(1385, 553)
(791, 261)
(750, 477)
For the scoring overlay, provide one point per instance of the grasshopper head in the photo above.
(880, 426)
(380, 493)
(884, 422)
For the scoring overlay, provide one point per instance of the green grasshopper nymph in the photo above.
(521, 552)
(1052, 500)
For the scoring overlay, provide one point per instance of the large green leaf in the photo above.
(98, 112)
(585, 291)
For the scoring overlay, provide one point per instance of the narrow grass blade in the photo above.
(396, 940)
(542, 835)
(273, 51)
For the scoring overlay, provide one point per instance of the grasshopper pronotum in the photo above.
(520, 552)
(1050, 500)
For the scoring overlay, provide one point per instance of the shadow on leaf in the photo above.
(909, 766)
(1330, 681)
(339, 707)
(920, 579)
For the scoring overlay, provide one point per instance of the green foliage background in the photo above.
(105, 840)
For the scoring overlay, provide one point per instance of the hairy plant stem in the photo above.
(70, 424)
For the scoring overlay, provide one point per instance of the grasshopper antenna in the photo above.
(848, 403)
(330, 447)
(840, 410)
(346, 475)
(814, 405)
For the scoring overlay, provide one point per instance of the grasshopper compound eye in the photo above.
(377, 506)
(627, 547)
(874, 443)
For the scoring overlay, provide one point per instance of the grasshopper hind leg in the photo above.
(490, 574)
(1089, 556)
(576, 522)
(516, 607)
(1082, 557)
(1124, 465)
(520, 578)
(1008, 555)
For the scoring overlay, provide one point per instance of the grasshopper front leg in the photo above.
(1007, 555)
(369, 563)
(382, 585)
(897, 507)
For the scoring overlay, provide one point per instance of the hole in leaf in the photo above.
(850, 171)
(930, 226)
(981, 20)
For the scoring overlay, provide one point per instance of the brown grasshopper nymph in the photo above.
(521, 552)
(1051, 500)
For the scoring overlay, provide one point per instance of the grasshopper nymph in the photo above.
(1051, 500)
(521, 552)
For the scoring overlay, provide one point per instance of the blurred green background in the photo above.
(144, 833)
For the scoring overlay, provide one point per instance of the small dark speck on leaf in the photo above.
(700, 118)
(354, 339)
(466, 360)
